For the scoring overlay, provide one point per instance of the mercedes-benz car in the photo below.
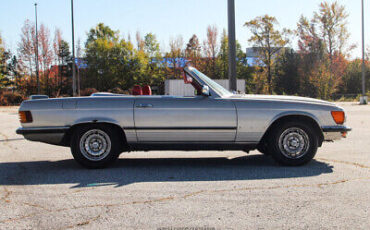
(100, 127)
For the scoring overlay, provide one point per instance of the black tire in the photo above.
(295, 132)
(100, 135)
(264, 148)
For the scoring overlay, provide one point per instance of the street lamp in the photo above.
(232, 45)
(37, 54)
(73, 55)
(363, 100)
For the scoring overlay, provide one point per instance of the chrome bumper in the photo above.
(333, 133)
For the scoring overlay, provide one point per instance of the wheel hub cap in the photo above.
(294, 143)
(95, 144)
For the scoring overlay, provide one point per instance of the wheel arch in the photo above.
(117, 128)
(301, 117)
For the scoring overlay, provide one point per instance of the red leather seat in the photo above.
(137, 90)
(147, 90)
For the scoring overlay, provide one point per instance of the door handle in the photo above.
(144, 106)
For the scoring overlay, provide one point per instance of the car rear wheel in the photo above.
(95, 146)
(293, 143)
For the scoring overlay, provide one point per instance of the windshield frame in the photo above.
(205, 80)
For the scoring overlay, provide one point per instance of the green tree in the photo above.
(4, 69)
(14, 70)
(268, 41)
(103, 32)
(112, 61)
(193, 51)
(64, 57)
(352, 79)
(151, 45)
(224, 55)
(287, 79)
(154, 73)
(64, 52)
(243, 71)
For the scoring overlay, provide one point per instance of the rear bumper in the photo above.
(50, 135)
(332, 133)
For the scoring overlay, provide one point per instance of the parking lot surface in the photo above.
(42, 187)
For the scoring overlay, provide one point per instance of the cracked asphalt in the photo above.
(42, 187)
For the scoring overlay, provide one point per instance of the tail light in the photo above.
(339, 117)
(25, 116)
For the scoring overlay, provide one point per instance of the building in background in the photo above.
(253, 54)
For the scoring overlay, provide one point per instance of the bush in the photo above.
(10, 98)
(88, 91)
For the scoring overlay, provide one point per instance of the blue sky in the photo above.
(165, 18)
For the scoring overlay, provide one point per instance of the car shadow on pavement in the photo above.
(128, 171)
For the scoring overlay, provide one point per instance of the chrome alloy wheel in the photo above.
(95, 145)
(294, 143)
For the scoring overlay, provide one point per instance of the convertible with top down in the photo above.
(100, 127)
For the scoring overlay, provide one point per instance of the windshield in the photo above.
(212, 84)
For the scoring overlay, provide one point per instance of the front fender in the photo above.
(294, 113)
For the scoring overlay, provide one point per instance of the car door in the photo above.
(184, 119)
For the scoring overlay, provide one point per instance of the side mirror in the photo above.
(205, 91)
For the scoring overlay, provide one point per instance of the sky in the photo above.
(165, 18)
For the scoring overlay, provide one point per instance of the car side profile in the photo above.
(100, 127)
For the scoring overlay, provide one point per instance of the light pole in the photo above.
(363, 100)
(37, 54)
(73, 55)
(232, 45)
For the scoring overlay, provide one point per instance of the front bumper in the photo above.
(332, 133)
(50, 135)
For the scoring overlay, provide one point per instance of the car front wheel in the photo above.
(293, 143)
(95, 146)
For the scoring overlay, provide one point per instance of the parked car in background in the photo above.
(100, 127)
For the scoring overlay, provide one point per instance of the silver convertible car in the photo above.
(100, 127)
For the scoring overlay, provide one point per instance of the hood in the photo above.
(280, 98)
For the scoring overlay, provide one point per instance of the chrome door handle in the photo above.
(144, 106)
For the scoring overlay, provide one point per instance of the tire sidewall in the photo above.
(280, 157)
(81, 159)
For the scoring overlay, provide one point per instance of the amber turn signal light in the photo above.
(25, 116)
(338, 116)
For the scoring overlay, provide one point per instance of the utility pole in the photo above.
(73, 56)
(37, 54)
(232, 45)
(363, 100)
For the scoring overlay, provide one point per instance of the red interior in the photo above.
(147, 90)
(137, 90)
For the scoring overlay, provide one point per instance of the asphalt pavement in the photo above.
(42, 187)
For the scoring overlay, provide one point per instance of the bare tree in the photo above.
(57, 48)
(211, 49)
(332, 19)
(26, 47)
(139, 41)
(176, 52)
(46, 54)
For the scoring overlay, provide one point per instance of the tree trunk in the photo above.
(269, 77)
